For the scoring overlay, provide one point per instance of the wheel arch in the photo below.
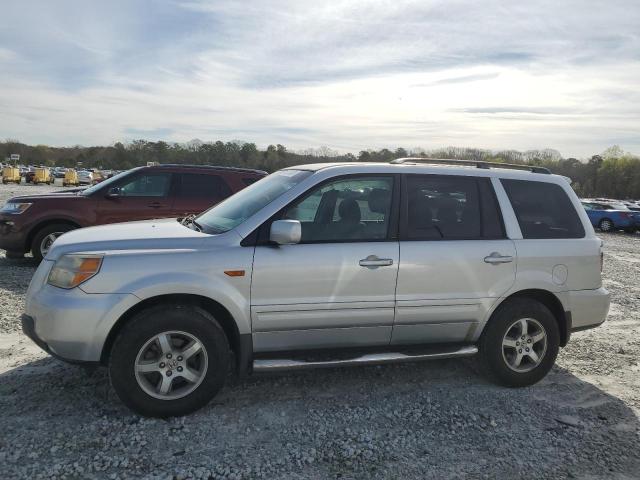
(240, 344)
(549, 300)
(45, 223)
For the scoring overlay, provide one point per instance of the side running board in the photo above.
(273, 365)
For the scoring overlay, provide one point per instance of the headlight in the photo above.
(14, 207)
(71, 270)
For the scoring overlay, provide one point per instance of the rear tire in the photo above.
(605, 225)
(507, 354)
(40, 245)
(139, 365)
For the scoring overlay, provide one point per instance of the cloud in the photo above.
(347, 74)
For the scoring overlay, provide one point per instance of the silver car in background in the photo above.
(327, 265)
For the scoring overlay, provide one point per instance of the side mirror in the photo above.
(113, 192)
(285, 232)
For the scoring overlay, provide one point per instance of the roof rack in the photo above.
(213, 167)
(473, 163)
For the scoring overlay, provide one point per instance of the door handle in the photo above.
(374, 261)
(495, 258)
(155, 205)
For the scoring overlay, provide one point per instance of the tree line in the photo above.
(612, 173)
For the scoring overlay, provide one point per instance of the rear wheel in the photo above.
(520, 343)
(45, 237)
(169, 360)
(605, 225)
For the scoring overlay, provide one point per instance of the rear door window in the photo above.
(194, 185)
(451, 208)
(543, 209)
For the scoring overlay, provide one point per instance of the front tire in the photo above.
(169, 360)
(43, 240)
(520, 343)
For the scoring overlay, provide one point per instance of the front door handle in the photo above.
(155, 205)
(374, 261)
(495, 258)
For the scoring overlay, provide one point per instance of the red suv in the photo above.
(33, 222)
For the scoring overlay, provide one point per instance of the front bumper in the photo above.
(70, 324)
(13, 236)
(29, 329)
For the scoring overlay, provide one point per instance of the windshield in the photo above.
(237, 208)
(105, 183)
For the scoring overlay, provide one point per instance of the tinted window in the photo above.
(543, 210)
(356, 208)
(146, 185)
(203, 186)
(441, 207)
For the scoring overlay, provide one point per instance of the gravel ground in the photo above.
(423, 420)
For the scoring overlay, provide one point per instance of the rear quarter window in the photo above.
(203, 186)
(543, 209)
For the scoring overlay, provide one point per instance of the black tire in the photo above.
(606, 225)
(44, 232)
(151, 322)
(14, 255)
(492, 361)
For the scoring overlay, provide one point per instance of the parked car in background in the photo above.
(609, 217)
(29, 174)
(32, 223)
(633, 206)
(58, 172)
(327, 265)
(85, 177)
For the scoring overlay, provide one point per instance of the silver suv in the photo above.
(327, 265)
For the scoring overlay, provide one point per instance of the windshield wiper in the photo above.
(190, 220)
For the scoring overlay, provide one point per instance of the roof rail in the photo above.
(212, 167)
(473, 163)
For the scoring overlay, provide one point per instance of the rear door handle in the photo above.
(374, 261)
(156, 205)
(495, 258)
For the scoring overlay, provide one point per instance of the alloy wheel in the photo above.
(606, 225)
(47, 241)
(171, 365)
(524, 345)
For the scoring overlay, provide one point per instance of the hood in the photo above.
(163, 234)
(41, 197)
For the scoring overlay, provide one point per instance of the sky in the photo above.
(350, 75)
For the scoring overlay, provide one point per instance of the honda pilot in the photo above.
(327, 265)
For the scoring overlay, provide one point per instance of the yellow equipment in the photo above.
(11, 174)
(70, 178)
(43, 175)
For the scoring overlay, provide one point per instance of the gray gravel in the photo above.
(428, 420)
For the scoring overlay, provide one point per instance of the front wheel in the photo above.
(520, 343)
(169, 360)
(43, 240)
